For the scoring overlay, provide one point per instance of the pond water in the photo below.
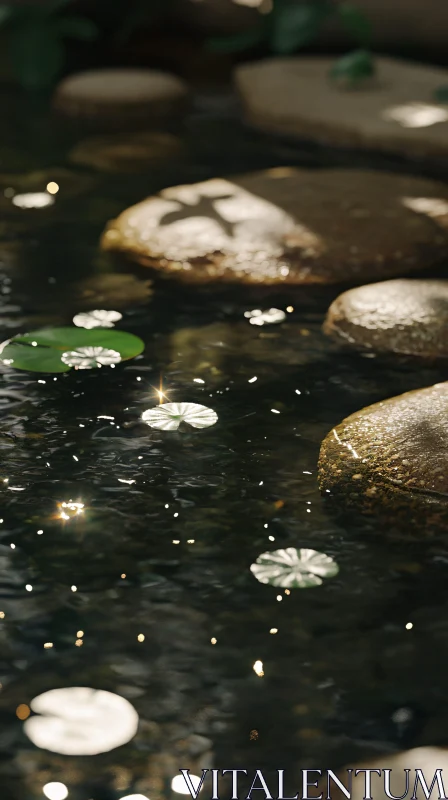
(147, 592)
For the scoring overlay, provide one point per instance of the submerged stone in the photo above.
(395, 111)
(126, 153)
(400, 316)
(392, 455)
(288, 225)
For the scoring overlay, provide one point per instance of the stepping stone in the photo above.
(120, 97)
(395, 111)
(126, 153)
(287, 226)
(401, 316)
(392, 456)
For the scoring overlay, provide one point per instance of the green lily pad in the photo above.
(126, 344)
(33, 359)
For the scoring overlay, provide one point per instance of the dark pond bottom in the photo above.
(147, 593)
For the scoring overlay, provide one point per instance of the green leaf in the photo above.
(37, 55)
(65, 339)
(238, 43)
(441, 94)
(76, 28)
(355, 22)
(297, 25)
(33, 359)
(353, 67)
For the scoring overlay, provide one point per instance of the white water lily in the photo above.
(90, 357)
(294, 568)
(79, 721)
(97, 319)
(269, 317)
(168, 416)
(33, 200)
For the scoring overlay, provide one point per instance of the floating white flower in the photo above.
(168, 416)
(78, 721)
(33, 200)
(97, 319)
(269, 317)
(294, 569)
(89, 357)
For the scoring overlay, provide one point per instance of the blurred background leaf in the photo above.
(356, 23)
(296, 25)
(353, 67)
(36, 53)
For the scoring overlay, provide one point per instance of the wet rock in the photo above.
(287, 226)
(392, 455)
(401, 316)
(131, 153)
(396, 111)
(119, 97)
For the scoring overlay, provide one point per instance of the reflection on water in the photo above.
(126, 549)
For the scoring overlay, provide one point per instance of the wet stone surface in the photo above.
(125, 551)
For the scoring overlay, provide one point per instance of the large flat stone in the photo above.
(394, 112)
(288, 226)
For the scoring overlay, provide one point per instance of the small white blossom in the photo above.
(294, 568)
(168, 416)
(97, 319)
(269, 317)
(89, 357)
(33, 200)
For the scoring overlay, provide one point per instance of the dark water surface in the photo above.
(167, 555)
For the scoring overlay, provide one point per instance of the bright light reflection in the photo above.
(52, 187)
(70, 509)
(55, 791)
(258, 668)
(33, 200)
(178, 784)
(415, 115)
(432, 206)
